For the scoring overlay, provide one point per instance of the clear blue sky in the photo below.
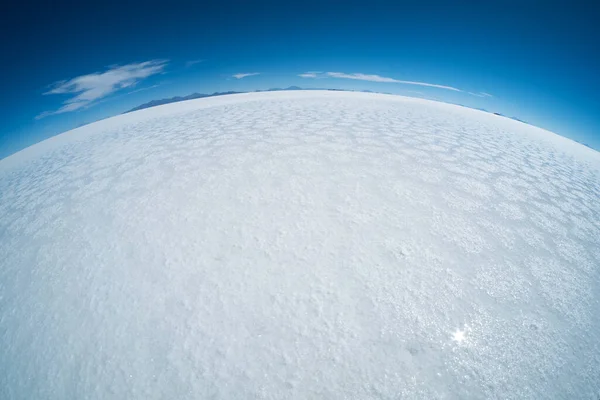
(540, 61)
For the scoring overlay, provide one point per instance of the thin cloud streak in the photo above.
(88, 89)
(360, 77)
(245, 75)
(144, 88)
(310, 74)
(191, 63)
(480, 94)
(374, 78)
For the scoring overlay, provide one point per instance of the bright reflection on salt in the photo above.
(458, 336)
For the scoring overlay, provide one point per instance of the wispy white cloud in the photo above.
(191, 63)
(244, 75)
(374, 78)
(88, 89)
(486, 94)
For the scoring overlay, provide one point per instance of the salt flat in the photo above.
(301, 245)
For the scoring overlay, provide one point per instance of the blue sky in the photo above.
(71, 64)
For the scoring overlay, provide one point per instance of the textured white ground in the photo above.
(306, 245)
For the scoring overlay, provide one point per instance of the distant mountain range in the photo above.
(192, 96)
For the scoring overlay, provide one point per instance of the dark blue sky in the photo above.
(538, 60)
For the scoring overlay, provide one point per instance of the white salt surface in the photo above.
(301, 245)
